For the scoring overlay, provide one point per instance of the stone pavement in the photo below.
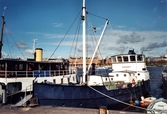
(7, 109)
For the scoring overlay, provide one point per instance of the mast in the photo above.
(84, 41)
(1, 38)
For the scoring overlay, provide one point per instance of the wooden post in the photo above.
(102, 110)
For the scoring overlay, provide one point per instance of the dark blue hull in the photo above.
(164, 87)
(84, 96)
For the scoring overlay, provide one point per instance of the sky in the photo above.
(133, 24)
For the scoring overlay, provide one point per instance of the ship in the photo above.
(17, 75)
(128, 81)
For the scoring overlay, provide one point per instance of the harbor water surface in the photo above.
(156, 81)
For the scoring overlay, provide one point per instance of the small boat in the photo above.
(158, 106)
(128, 80)
(146, 101)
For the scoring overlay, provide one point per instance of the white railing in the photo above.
(35, 73)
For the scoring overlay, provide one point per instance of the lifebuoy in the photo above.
(133, 81)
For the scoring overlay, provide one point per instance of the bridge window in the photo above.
(132, 58)
(125, 58)
(119, 59)
(139, 58)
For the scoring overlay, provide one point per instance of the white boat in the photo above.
(146, 101)
(158, 106)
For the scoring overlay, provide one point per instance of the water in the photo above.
(155, 83)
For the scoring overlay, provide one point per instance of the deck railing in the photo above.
(35, 73)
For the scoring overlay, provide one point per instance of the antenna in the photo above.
(4, 10)
(34, 44)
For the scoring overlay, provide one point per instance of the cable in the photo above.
(96, 15)
(64, 36)
(116, 99)
(16, 45)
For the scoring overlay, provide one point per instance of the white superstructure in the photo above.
(129, 68)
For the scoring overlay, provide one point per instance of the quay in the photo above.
(7, 109)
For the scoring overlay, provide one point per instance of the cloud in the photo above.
(116, 41)
(137, 40)
(163, 1)
(155, 10)
(121, 48)
(5, 55)
(121, 26)
(58, 24)
(132, 38)
(154, 45)
(22, 45)
(30, 51)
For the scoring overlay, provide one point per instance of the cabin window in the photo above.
(132, 58)
(15, 67)
(20, 66)
(2, 66)
(113, 60)
(14, 86)
(125, 58)
(30, 66)
(139, 58)
(119, 59)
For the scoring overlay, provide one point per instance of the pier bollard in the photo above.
(102, 110)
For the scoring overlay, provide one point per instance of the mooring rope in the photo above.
(116, 99)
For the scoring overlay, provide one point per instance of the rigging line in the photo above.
(65, 35)
(72, 46)
(60, 41)
(8, 46)
(73, 41)
(75, 38)
(96, 42)
(93, 36)
(97, 15)
(91, 33)
(116, 99)
(76, 44)
(16, 44)
(95, 39)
